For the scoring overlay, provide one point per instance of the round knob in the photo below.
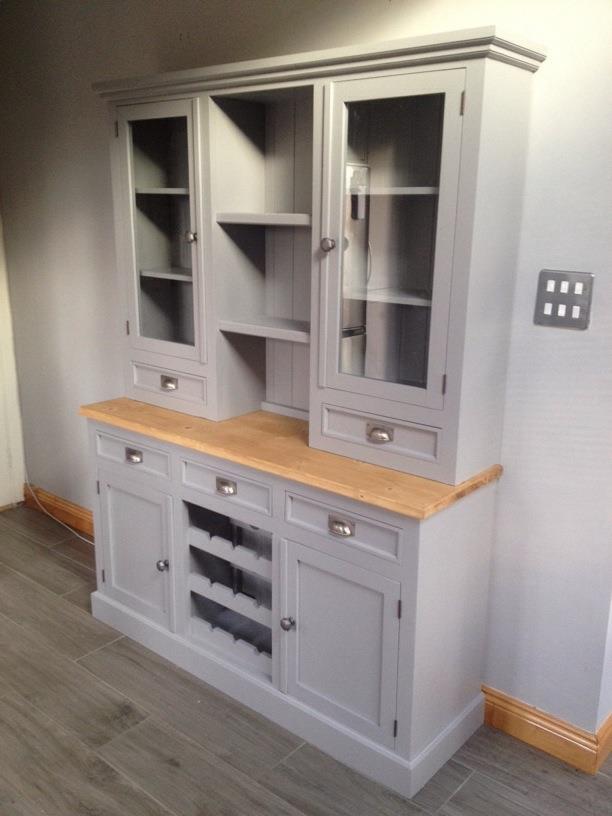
(162, 565)
(191, 237)
(327, 244)
(287, 624)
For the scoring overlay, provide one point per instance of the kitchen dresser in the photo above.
(295, 499)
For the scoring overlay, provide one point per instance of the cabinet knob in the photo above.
(162, 565)
(327, 244)
(379, 434)
(340, 527)
(133, 456)
(191, 237)
(225, 487)
(167, 383)
(287, 624)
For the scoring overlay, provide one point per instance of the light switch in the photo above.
(564, 299)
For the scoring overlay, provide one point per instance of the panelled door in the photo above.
(159, 177)
(136, 532)
(388, 233)
(341, 631)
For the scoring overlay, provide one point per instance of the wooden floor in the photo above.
(95, 725)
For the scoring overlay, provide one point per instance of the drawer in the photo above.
(237, 490)
(349, 528)
(392, 435)
(172, 384)
(140, 458)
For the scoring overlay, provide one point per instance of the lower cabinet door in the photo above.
(136, 530)
(341, 633)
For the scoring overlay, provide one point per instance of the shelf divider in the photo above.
(265, 219)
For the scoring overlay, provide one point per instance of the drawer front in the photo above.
(172, 384)
(140, 458)
(237, 490)
(381, 433)
(349, 528)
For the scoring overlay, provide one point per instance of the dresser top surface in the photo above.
(278, 445)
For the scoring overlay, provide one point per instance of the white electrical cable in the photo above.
(47, 513)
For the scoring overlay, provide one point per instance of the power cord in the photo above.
(47, 513)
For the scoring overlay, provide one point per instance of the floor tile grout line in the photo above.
(280, 761)
(21, 532)
(497, 782)
(72, 560)
(248, 780)
(456, 791)
(97, 649)
(31, 580)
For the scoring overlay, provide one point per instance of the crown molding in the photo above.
(469, 44)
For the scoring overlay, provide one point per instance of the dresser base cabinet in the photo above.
(359, 629)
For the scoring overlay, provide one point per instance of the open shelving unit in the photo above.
(230, 586)
(262, 188)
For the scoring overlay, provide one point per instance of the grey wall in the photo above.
(553, 562)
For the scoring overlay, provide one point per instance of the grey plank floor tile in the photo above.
(34, 525)
(77, 550)
(18, 806)
(60, 688)
(554, 789)
(241, 737)
(58, 773)
(481, 796)
(187, 778)
(38, 563)
(442, 786)
(81, 597)
(318, 785)
(61, 625)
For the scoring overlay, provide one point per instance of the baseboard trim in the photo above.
(582, 749)
(75, 516)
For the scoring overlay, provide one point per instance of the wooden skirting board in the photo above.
(75, 516)
(582, 749)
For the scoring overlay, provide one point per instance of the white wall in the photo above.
(11, 442)
(553, 561)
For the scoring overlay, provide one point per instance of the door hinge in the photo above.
(98, 488)
(395, 728)
(399, 609)
(103, 576)
(127, 327)
(116, 129)
(462, 104)
(444, 383)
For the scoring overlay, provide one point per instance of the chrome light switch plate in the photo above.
(564, 299)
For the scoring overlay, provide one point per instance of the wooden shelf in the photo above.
(176, 274)
(278, 445)
(274, 328)
(266, 219)
(162, 190)
(388, 295)
(396, 191)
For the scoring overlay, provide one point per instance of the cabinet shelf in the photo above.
(401, 297)
(270, 219)
(162, 190)
(395, 191)
(237, 555)
(274, 328)
(174, 273)
(223, 595)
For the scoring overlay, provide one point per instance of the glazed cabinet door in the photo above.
(158, 178)
(136, 533)
(340, 629)
(389, 222)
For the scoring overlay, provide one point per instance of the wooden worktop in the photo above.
(278, 445)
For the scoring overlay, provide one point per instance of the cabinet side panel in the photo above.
(451, 614)
(495, 240)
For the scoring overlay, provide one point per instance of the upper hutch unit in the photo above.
(331, 236)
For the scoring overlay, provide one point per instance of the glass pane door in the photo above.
(391, 273)
(162, 207)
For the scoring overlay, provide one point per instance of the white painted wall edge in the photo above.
(12, 467)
